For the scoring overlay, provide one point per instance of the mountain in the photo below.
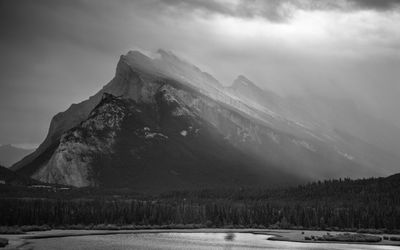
(163, 123)
(10, 154)
(128, 144)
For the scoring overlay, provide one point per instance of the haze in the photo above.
(55, 53)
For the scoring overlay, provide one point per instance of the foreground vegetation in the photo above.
(371, 205)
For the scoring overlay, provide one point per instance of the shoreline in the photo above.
(17, 241)
(299, 236)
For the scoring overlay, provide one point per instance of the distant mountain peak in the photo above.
(10, 154)
(241, 80)
(12, 146)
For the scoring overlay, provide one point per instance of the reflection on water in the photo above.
(229, 236)
(191, 241)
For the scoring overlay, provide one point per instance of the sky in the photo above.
(55, 53)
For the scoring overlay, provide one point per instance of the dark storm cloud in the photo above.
(25, 22)
(376, 4)
(277, 10)
(246, 9)
(210, 6)
(243, 8)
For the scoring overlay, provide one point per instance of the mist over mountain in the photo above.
(162, 122)
(299, 49)
(10, 154)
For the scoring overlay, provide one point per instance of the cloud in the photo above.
(272, 10)
(376, 4)
(276, 10)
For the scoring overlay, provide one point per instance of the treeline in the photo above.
(208, 213)
(336, 205)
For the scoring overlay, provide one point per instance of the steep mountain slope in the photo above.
(10, 154)
(164, 97)
(157, 146)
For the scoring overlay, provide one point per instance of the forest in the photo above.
(371, 205)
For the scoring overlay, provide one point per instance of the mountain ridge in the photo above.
(258, 132)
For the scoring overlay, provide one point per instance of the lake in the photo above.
(195, 241)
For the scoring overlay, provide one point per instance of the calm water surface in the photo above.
(196, 241)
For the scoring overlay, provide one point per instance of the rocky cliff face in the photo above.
(70, 164)
(164, 122)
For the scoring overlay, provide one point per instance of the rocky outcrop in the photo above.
(71, 163)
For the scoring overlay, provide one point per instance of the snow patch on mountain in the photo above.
(346, 155)
(304, 144)
(274, 137)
